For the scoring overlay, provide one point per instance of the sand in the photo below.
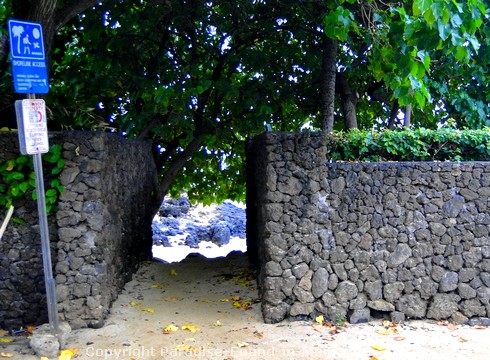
(208, 309)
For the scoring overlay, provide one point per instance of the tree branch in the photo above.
(72, 9)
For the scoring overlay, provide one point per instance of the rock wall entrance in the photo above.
(99, 234)
(355, 240)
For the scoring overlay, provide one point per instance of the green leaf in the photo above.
(24, 186)
(456, 20)
(444, 30)
(51, 193)
(14, 191)
(421, 6)
(429, 18)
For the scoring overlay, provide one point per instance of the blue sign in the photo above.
(28, 58)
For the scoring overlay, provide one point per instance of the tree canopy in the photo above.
(196, 78)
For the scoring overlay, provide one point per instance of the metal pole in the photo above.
(45, 244)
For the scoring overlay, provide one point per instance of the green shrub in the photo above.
(17, 178)
(410, 145)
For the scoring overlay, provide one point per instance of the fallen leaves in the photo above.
(171, 328)
(390, 328)
(242, 304)
(378, 347)
(190, 327)
(327, 329)
(187, 348)
(133, 303)
(480, 327)
(6, 355)
(68, 354)
(173, 272)
(447, 324)
(244, 278)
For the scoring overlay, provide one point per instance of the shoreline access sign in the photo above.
(28, 58)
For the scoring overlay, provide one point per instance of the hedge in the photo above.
(444, 144)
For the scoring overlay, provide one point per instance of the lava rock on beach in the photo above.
(193, 224)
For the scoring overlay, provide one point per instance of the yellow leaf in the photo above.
(190, 327)
(319, 319)
(133, 303)
(237, 304)
(67, 354)
(6, 355)
(225, 300)
(387, 332)
(242, 344)
(5, 340)
(187, 348)
(379, 347)
(235, 298)
(149, 310)
(170, 329)
(183, 347)
(173, 272)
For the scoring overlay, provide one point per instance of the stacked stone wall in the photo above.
(357, 240)
(99, 234)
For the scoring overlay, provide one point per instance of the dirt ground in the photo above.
(208, 309)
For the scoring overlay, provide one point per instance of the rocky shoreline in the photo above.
(181, 224)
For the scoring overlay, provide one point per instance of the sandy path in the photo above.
(211, 296)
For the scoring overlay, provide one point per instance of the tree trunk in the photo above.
(393, 115)
(408, 116)
(349, 102)
(327, 86)
(40, 11)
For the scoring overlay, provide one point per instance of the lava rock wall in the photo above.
(99, 234)
(356, 240)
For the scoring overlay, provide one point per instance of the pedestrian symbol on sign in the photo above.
(26, 39)
(28, 58)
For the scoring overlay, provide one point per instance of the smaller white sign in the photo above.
(32, 125)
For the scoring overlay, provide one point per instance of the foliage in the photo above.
(445, 144)
(197, 78)
(18, 178)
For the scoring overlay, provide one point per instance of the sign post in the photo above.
(30, 77)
